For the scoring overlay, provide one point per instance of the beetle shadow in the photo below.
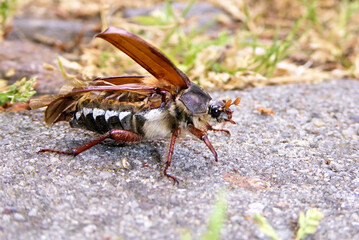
(152, 151)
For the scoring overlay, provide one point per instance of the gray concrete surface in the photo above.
(304, 156)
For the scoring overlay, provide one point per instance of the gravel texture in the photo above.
(304, 156)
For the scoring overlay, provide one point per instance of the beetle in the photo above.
(132, 108)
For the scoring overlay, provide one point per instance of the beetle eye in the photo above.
(215, 112)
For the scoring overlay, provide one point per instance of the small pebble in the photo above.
(19, 217)
(33, 212)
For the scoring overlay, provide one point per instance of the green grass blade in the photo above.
(308, 222)
(216, 220)
(265, 227)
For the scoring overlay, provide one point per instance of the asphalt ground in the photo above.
(303, 156)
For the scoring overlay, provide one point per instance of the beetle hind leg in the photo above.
(116, 134)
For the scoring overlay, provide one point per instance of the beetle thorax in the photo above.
(185, 117)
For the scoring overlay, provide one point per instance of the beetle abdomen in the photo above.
(102, 121)
(148, 123)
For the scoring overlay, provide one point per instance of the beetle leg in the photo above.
(209, 127)
(117, 134)
(202, 135)
(163, 93)
(169, 157)
(125, 136)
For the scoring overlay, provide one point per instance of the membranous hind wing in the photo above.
(150, 58)
(60, 109)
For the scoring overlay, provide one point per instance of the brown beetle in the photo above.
(132, 108)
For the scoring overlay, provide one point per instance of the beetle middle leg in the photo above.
(169, 157)
(116, 134)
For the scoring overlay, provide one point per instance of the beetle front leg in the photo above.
(202, 135)
(209, 127)
(117, 134)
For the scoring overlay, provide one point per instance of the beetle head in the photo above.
(198, 101)
(220, 110)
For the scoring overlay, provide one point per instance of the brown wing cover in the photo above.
(118, 80)
(146, 55)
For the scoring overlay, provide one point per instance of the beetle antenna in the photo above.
(230, 103)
